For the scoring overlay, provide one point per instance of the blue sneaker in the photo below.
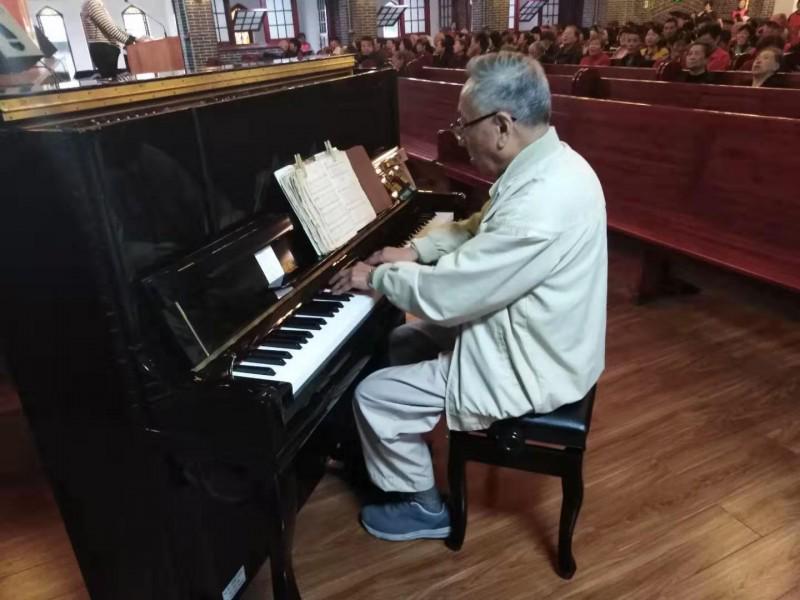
(403, 521)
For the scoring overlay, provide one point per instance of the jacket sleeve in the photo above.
(102, 19)
(446, 238)
(485, 274)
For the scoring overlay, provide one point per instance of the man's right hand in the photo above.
(391, 254)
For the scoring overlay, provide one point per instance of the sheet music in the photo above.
(328, 199)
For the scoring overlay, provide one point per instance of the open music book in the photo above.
(327, 195)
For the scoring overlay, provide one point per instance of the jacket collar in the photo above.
(530, 156)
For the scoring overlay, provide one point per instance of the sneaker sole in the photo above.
(421, 534)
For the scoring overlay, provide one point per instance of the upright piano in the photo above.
(133, 312)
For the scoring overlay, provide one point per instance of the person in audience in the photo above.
(480, 45)
(765, 42)
(400, 61)
(766, 66)
(612, 31)
(571, 50)
(407, 45)
(655, 48)
(304, 48)
(537, 50)
(551, 47)
(446, 59)
(595, 57)
(683, 18)
(793, 24)
(743, 41)
(368, 57)
(771, 29)
(697, 63)
(622, 50)
(459, 59)
(334, 46)
(707, 14)
(497, 41)
(633, 51)
(389, 49)
(720, 59)
(679, 47)
(518, 289)
(669, 30)
(740, 14)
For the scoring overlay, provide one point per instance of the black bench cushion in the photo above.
(565, 426)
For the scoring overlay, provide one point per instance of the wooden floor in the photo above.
(692, 484)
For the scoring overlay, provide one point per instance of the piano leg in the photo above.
(282, 521)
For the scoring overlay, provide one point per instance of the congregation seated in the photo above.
(571, 50)
(633, 51)
(655, 48)
(697, 64)
(368, 57)
(720, 59)
(595, 57)
(766, 66)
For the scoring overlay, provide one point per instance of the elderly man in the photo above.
(512, 302)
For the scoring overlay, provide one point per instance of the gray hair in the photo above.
(511, 82)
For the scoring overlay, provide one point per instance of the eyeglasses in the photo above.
(458, 126)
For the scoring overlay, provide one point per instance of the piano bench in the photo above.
(520, 444)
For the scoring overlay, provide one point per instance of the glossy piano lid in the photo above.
(35, 101)
(217, 291)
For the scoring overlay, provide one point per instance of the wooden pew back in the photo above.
(716, 186)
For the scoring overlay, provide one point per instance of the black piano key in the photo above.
(304, 322)
(266, 361)
(314, 304)
(330, 296)
(298, 333)
(282, 344)
(270, 354)
(286, 336)
(254, 370)
(307, 311)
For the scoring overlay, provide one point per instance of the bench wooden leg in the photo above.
(456, 474)
(656, 279)
(572, 490)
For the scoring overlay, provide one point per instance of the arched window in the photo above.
(322, 10)
(52, 23)
(445, 14)
(136, 22)
(281, 19)
(512, 14)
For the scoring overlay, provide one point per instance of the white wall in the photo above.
(786, 7)
(308, 15)
(71, 9)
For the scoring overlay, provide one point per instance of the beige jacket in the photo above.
(525, 280)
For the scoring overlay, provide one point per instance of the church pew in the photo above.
(680, 179)
(559, 84)
(788, 80)
(727, 98)
(777, 102)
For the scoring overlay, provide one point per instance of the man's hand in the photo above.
(391, 254)
(352, 278)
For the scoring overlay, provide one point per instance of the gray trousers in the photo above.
(396, 405)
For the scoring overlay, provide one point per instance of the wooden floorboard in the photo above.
(692, 484)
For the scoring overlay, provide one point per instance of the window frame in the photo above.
(295, 23)
(59, 14)
(132, 10)
(427, 12)
(513, 19)
(448, 5)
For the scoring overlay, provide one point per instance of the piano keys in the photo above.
(188, 409)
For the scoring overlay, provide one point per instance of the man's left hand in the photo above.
(352, 278)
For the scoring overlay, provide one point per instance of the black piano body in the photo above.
(176, 480)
